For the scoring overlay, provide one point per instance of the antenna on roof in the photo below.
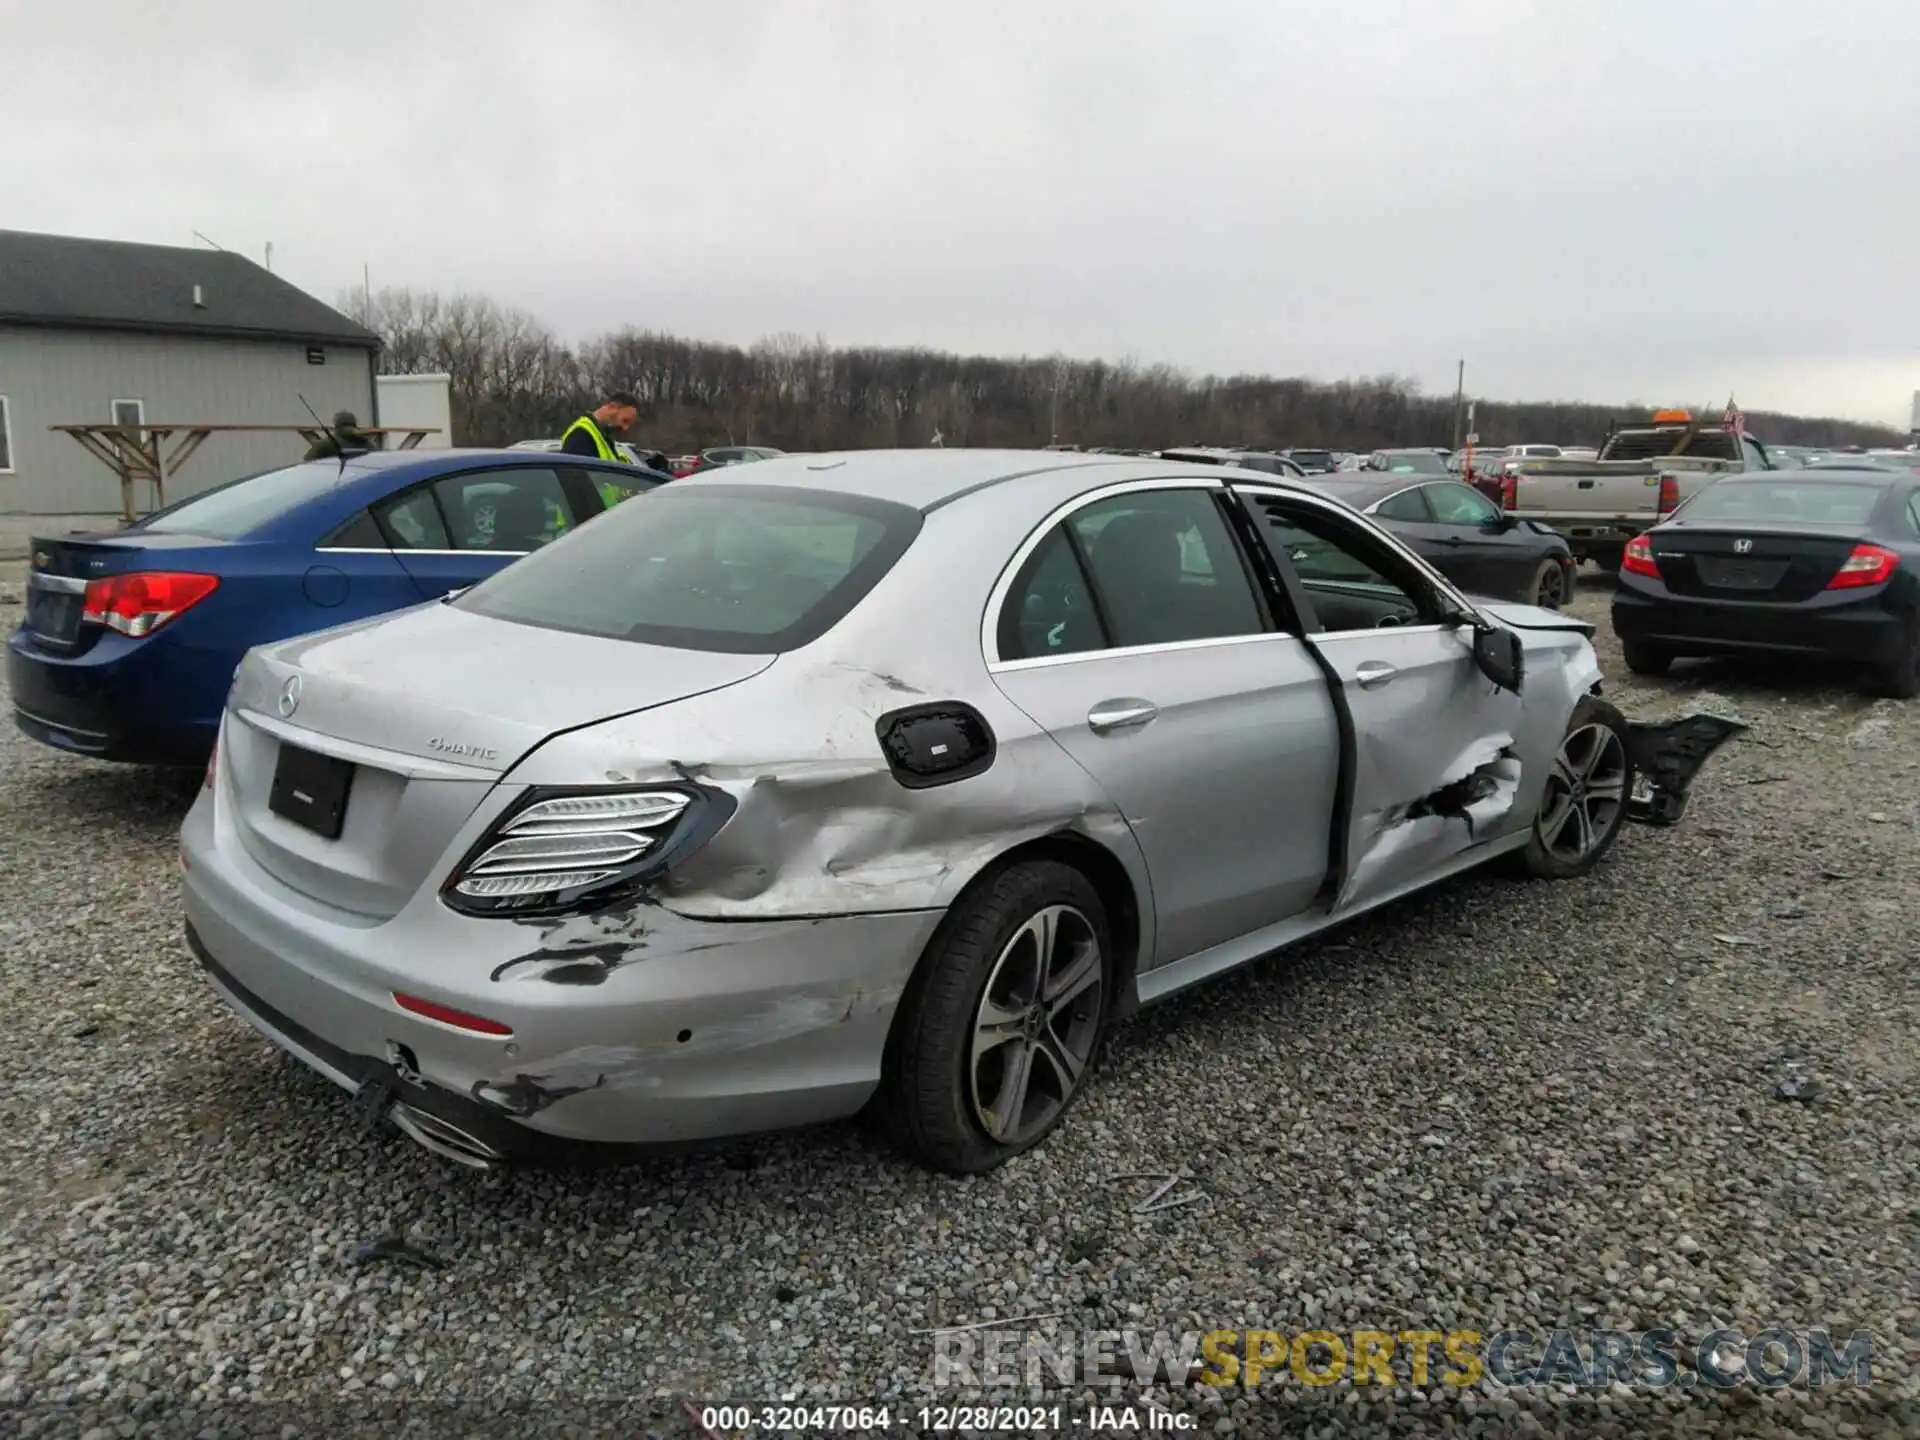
(339, 440)
(215, 243)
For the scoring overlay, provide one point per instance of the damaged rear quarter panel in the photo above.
(822, 827)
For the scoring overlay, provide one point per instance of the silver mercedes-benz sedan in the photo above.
(881, 780)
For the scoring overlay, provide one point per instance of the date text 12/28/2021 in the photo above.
(854, 1420)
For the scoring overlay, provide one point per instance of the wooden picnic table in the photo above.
(141, 452)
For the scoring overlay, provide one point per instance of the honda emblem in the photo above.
(1742, 547)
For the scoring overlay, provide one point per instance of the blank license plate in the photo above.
(54, 614)
(311, 790)
(1742, 574)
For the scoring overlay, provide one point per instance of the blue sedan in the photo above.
(132, 636)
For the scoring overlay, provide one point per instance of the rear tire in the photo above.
(1645, 659)
(1901, 679)
(1552, 584)
(1020, 972)
(1584, 802)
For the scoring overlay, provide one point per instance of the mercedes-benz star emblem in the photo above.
(1742, 547)
(289, 696)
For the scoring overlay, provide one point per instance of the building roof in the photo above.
(62, 280)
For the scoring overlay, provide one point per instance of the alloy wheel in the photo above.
(1553, 589)
(1584, 793)
(1034, 1030)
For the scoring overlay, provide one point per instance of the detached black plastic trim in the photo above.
(936, 744)
(707, 810)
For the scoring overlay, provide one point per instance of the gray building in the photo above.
(98, 331)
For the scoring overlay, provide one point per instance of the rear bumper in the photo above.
(112, 702)
(1848, 627)
(643, 1027)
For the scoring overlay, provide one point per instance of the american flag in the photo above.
(1733, 419)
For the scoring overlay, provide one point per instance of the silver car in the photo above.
(876, 780)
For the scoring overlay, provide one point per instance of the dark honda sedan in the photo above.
(1462, 534)
(1794, 563)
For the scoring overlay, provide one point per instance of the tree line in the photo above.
(513, 379)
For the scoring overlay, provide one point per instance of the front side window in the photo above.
(513, 511)
(1352, 581)
(1406, 507)
(742, 569)
(1460, 505)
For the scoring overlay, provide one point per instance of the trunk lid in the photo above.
(1781, 567)
(60, 569)
(424, 711)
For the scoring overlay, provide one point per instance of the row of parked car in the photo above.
(879, 781)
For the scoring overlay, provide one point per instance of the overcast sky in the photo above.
(1662, 200)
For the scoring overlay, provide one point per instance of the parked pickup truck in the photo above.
(1643, 473)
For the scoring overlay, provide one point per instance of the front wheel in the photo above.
(999, 1025)
(1552, 585)
(1584, 802)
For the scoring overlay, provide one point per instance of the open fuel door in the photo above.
(1434, 703)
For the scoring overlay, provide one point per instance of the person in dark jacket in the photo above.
(593, 435)
(344, 437)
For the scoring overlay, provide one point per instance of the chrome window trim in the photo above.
(370, 550)
(65, 584)
(1038, 662)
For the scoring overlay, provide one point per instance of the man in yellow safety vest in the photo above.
(593, 435)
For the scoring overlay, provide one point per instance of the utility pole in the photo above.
(1459, 394)
(366, 293)
(269, 257)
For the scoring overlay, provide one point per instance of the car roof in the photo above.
(929, 478)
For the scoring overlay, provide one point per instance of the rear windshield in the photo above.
(242, 506)
(1413, 464)
(1815, 502)
(747, 569)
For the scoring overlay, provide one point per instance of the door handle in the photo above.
(1372, 674)
(1111, 715)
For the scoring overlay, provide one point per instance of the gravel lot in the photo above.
(1501, 1104)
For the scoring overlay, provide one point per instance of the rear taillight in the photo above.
(1637, 559)
(1669, 494)
(1867, 565)
(140, 603)
(563, 848)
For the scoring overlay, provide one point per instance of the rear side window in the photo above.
(359, 533)
(411, 521)
(240, 507)
(1813, 502)
(1164, 568)
(744, 569)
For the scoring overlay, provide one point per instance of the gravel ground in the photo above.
(1502, 1104)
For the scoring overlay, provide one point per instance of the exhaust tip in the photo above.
(445, 1139)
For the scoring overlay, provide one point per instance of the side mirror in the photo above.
(1500, 656)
